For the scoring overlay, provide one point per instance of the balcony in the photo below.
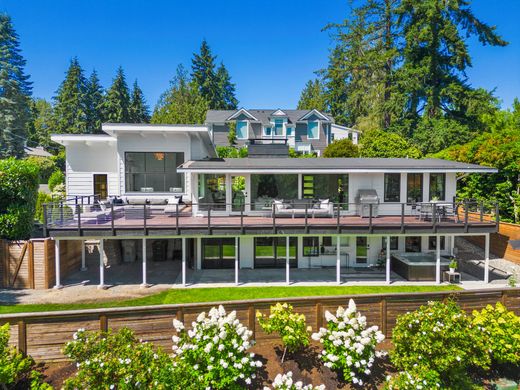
(86, 216)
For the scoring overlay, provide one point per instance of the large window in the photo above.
(241, 130)
(271, 252)
(265, 188)
(212, 191)
(414, 187)
(333, 187)
(437, 186)
(392, 187)
(153, 172)
(313, 130)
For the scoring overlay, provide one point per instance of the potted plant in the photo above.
(453, 266)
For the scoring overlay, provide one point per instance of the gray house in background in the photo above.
(306, 131)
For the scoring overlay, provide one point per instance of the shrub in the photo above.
(214, 353)
(500, 331)
(16, 368)
(56, 178)
(341, 148)
(117, 360)
(439, 337)
(18, 192)
(290, 326)
(285, 382)
(417, 379)
(43, 198)
(348, 345)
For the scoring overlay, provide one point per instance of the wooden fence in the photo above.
(30, 264)
(43, 335)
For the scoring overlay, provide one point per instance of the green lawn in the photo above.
(221, 294)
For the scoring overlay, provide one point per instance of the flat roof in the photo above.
(330, 165)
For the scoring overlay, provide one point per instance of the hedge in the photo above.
(18, 193)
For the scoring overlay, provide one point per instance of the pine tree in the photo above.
(139, 112)
(70, 111)
(117, 102)
(227, 100)
(313, 96)
(203, 75)
(15, 91)
(94, 103)
(182, 103)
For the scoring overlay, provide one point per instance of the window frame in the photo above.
(387, 199)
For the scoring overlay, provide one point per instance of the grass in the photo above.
(223, 294)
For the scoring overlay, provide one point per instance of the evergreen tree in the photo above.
(313, 96)
(436, 53)
(227, 98)
(15, 91)
(117, 101)
(94, 103)
(182, 103)
(42, 121)
(70, 110)
(139, 112)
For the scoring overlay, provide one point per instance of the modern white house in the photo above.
(139, 187)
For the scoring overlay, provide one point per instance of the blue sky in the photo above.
(271, 48)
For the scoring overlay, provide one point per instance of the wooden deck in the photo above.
(158, 223)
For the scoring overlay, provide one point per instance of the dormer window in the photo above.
(242, 130)
(313, 130)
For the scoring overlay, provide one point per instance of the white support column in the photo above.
(237, 253)
(57, 263)
(438, 259)
(144, 284)
(83, 257)
(486, 259)
(183, 262)
(101, 265)
(338, 260)
(388, 260)
(287, 265)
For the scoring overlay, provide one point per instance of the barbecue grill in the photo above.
(364, 199)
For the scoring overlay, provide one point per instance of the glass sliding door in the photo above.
(270, 252)
(218, 253)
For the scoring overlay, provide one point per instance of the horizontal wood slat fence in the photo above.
(43, 335)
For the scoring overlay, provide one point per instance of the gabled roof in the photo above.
(330, 165)
(261, 115)
(242, 111)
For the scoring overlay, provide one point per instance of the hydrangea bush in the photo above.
(500, 331)
(439, 337)
(348, 344)
(215, 351)
(285, 382)
(117, 361)
(289, 325)
(414, 380)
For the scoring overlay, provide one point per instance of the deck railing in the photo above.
(87, 213)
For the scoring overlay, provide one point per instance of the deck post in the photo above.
(183, 261)
(83, 257)
(101, 264)
(338, 260)
(388, 281)
(287, 265)
(236, 259)
(486, 259)
(438, 259)
(57, 264)
(144, 284)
